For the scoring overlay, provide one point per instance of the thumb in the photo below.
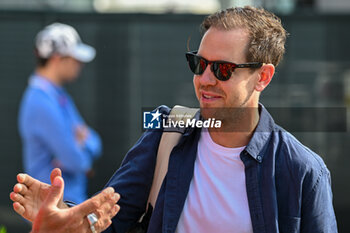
(55, 172)
(56, 192)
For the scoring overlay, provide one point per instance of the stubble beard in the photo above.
(232, 118)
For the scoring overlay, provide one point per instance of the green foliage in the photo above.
(3, 229)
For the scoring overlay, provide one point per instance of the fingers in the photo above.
(20, 188)
(55, 172)
(107, 210)
(25, 179)
(18, 208)
(95, 202)
(103, 205)
(16, 197)
(105, 213)
(56, 192)
(113, 211)
(104, 222)
(110, 209)
(101, 226)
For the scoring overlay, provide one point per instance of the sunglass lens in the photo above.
(223, 71)
(197, 64)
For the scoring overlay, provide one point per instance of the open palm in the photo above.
(29, 194)
(42, 204)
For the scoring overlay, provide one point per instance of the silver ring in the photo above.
(93, 229)
(92, 219)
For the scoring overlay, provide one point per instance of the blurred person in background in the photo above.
(53, 132)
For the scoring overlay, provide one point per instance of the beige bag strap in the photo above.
(167, 142)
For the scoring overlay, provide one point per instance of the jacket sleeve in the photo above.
(317, 209)
(134, 178)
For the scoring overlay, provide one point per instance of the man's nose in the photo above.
(207, 78)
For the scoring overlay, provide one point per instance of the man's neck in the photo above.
(50, 75)
(238, 132)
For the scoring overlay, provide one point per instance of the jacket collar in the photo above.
(260, 136)
(42, 83)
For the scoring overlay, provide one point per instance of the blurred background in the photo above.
(140, 63)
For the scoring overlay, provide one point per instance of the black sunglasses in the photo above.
(221, 69)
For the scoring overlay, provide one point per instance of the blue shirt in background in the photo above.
(47, 122)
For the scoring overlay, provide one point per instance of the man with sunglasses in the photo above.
(247, 176)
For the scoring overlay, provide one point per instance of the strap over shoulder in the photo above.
(180, 113)
(167, 142)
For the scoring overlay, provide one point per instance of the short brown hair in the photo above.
(267, 35)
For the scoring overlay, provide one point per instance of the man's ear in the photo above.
(265, 76)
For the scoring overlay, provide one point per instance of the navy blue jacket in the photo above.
(288, 185)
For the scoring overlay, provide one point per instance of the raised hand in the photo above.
(29, 194)
(52, 219)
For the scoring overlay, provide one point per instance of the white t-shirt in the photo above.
(217, 199)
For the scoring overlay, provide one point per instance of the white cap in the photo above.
(64, 40)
